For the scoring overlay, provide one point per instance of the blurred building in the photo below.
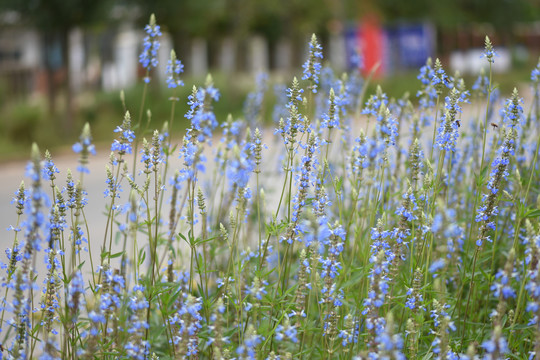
(108, 58)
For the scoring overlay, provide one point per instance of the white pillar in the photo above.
(337, 53)
(30, 48)
(126, 59)
(227, 55)
(76, 59)
(258, 55)
(283, 55)
(199, 57)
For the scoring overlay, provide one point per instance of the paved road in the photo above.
(12, 173)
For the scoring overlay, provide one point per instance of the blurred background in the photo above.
(63, 63)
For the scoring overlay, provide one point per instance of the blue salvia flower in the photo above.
(321, 202)
(254, 100)
(359, 157)
(136, 347)
(454, 234)
(79, 240)
(257, 288)
(75, 298)
(481, 84)
(503, 289)
(84, 147)
(447, 134)
(533, 288)
(415, 299)
(123, 145)
(193, 159)
(378, 289)
(379, 239)
(14, 255)
(189, 321)
(33, 238)
(488, 210)
(437, 265)
(407, 213)
(331, 297)
(309, 164)
(373, 105)
(442, 324)
(93, 333)
(173, 71)
(201, 114)
(111, 296)
(512, 112)
(148, 56)
(241, 165)
(535, 78)
(502, 285)
(154, 156)
(70, 191)
(50, 350)
(50, 304)
(328, 80)
(426, 73)
(312, 67)
(249, 348)
(535, 74)
(308, 168)
(349, 334)
(331, 264)
(409, 207)
(497, 347)
(489, 52)
(439, 79)
(294, 122)
(286, 331)
(217, 338)
(416, 163)
(388, 345)
(304, 269)
(49, 168)
(353, 85)
(36, 219)
(428, 93)
(280, 108)
(113, 186)
(387, 131)
(356, 60)
(21, 195)
(331, 118)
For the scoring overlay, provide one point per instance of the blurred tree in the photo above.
(447, 15)
(54, 19)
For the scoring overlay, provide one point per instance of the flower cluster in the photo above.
(148, 56)
(174, 69)
(489, 52)
(448, 130)
(499, 173)
(312, 66)
(254, 100)
(84, 147)
(123, 145)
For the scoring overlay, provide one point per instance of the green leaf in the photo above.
(142, 256)
(118, 254)
(532, 213)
